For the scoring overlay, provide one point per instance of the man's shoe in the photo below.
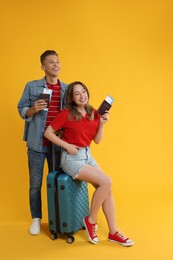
(91, 231)
(120, 239)
(34, 229)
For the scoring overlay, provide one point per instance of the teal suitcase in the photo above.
(68, 204)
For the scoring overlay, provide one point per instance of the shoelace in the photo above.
(120, 235)
(94, 229)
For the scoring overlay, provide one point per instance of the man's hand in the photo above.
(40, 105)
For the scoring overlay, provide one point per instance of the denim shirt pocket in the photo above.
(33, 98)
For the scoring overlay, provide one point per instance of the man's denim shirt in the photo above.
(35, 125)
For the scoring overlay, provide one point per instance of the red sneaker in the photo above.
(121, 239)
(91, 231)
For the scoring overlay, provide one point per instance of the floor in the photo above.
(149, 222)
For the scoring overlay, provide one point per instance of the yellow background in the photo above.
(117, 47)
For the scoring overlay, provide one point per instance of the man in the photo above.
(38, 112)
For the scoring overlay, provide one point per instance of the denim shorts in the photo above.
(71, 164)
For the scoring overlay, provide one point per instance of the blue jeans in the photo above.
(36, 166)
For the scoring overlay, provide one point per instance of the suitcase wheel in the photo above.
(70, 239)
(53, 236)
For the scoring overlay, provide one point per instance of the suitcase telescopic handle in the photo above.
(53, 156)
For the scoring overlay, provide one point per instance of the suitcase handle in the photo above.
(54, 158)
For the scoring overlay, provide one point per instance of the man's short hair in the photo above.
(46, 53)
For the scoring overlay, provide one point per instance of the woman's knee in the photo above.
(108, 182)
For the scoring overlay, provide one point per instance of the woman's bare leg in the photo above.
(102, 182)
(109, 212)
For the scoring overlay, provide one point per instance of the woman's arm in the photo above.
(100, 132)
(50, 135)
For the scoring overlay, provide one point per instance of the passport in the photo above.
(105, 105)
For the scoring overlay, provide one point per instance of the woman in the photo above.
(81, 124)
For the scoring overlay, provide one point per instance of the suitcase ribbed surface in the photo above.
(73, 203)
(68, 203)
